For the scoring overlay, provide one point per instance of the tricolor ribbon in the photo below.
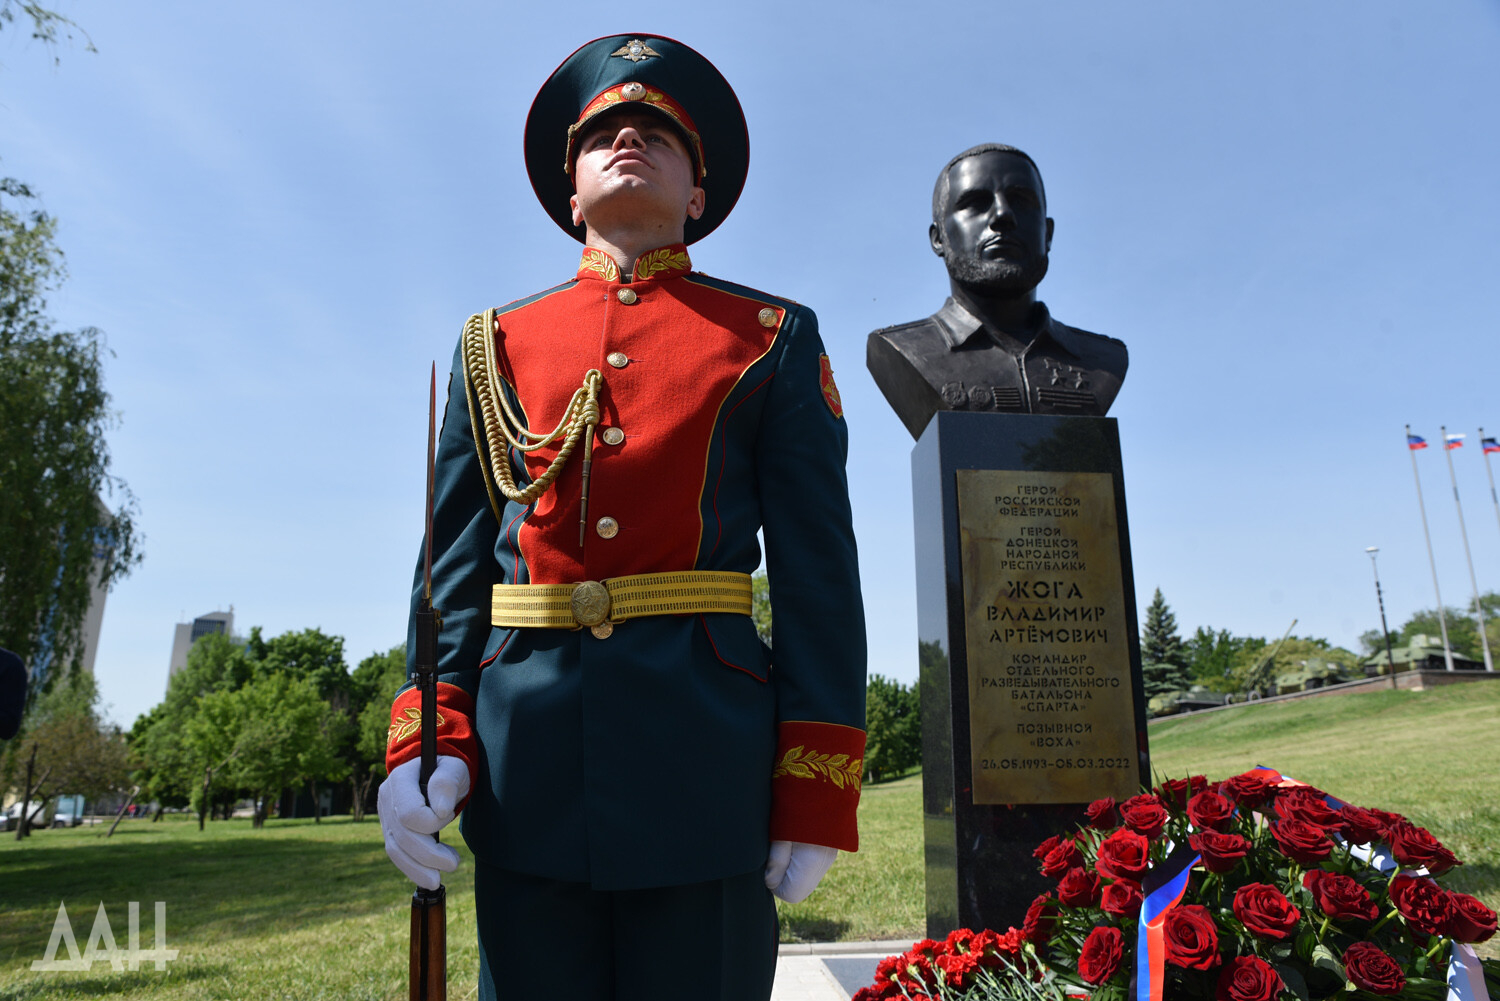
(1163, 888)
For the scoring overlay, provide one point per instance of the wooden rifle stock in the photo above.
(429, 946)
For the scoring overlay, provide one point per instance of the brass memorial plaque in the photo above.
(1051, 716)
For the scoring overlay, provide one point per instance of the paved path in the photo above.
(828, 971)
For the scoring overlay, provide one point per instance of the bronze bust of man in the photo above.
(993, 346)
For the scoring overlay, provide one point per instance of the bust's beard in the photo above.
(997, 279)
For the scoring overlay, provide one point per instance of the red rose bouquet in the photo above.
(1252, 889)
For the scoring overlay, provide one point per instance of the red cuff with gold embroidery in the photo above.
(455, 731)
(815, 784)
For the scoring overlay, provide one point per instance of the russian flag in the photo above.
(1453, 441)
(1489, 445)
(1415, 441)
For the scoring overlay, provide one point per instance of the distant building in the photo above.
(93, 620)
(188, 633)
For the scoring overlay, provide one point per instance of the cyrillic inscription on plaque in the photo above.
(1051, 716)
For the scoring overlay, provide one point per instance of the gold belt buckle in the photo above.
(590, 604)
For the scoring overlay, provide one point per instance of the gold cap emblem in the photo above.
(632, 91)
(635, 50)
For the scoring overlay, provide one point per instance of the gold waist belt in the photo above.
(600, 604)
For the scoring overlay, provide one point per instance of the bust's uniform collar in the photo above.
(671, 261)
(959, 326)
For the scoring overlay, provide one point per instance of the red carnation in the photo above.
(994, 949)
(1144, 814)
(1060, 859)
(1301, 841)
(1220, 852)
(1040, 916)
(1190, 937)
(1122, 898)
(1414, 846)
(1424, 904)
(1359, 826)
(1210, 810)
(1101, 955)
(1471, 921)
(1249, 789)
(1101, 813)
(1372, 970)
(958, 940)
(1265, 910)
(1079, 888)
(1340, 897)
(1247, 978)
(1176, 792)
(958, 968)
(1123, 855)
(1307, 804)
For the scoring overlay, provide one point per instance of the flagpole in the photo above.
(1491, 474)
(1442, 618)
(1448, 447)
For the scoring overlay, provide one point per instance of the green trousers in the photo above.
(713, 941)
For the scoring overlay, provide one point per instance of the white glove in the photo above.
(794, 869)
(409, 823)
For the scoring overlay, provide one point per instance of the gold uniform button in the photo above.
(627, 296)
(618, 359)
(607, 527)
(602, 631)
(768, 317)
(613, 436)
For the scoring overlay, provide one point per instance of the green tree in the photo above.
(760, 605)
(373, 687)
(57, 538)
(76, 752)
(266, 736)
(1212, 655)
(1164, 661)
(46, 24)
(893, 728)
(1160, 643)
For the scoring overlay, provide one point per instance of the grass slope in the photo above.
(300, 910)
(1430, 755)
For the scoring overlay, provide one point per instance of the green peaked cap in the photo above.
(675, 82)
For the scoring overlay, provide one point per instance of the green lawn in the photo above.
(300, 910)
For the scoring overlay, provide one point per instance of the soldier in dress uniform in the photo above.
(993, 346)
(637, 772)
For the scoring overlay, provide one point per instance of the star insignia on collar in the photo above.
(1064, 374)
(635, 50)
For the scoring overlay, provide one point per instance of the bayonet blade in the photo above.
(431, 473)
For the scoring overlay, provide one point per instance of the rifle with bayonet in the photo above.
(429, 922)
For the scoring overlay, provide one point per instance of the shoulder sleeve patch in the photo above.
(830, 390)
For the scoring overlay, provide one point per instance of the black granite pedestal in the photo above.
(1046, 712)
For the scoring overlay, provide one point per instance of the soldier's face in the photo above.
(634, 169)
(994, 235)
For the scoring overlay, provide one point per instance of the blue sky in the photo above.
(281, 213)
